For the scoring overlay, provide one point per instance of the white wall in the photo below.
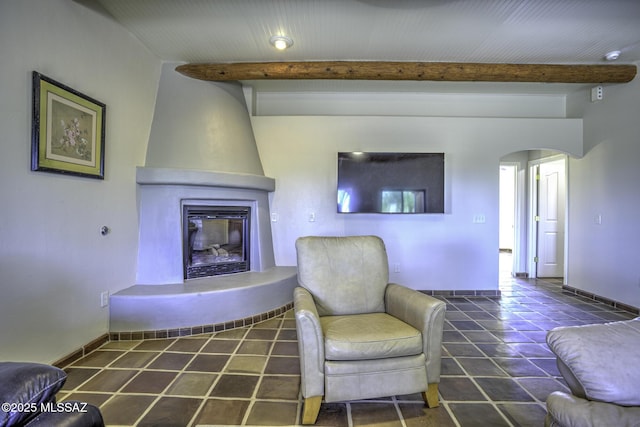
(604, 258)
(442, 252)
(53, 261)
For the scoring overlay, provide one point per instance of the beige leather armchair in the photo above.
(360, 337)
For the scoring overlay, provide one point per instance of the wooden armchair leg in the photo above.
(310, 409)
(431, 396)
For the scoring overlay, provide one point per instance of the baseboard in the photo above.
(607, 301)
(464, 293)
(81, 352)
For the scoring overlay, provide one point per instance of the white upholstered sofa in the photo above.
(601, 365)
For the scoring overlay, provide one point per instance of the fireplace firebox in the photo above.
(215, 240)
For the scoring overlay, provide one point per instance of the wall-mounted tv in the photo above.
(391, 183)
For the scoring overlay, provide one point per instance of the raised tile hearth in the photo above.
(201, 302)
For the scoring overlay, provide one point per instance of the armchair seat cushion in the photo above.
(369, 336)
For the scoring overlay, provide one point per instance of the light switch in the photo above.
(479, 219)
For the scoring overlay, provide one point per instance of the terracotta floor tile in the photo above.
(77, 376)
(223, 346)
(170, 411)
(503, 389)
(375, 414)
(279, 387)
(125, 410)
(171, 361)
(285, 348)
(333, 415)
(191, 384)
(261, 334)
(246, 364)
(264, 413)
(99, 358)
(524, 415)
(480, 366)
(222, 412)
(191, 345)
(255, 347)
(239, 386)
(159, 344)
(478, 414)
(418, 415)
(288, 335)
(109, 380)
(152, 382)
(96, 399)
(208, 363)
(540, 388)
(459, 389)
(269, 324)
(449, 366)
(519, 367)
(282, 365)
(498, 350)
(237, 334)
(459, 349)
(134, 359)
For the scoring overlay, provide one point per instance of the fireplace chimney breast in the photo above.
(201, 125)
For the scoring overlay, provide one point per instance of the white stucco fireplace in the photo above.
(163, 193)
(162, 298)
(201, 152)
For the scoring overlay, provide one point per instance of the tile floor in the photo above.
(496, 370)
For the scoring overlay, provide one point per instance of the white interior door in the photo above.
(551, 218)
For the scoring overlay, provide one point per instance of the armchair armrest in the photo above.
(424, 313)
(310, 343)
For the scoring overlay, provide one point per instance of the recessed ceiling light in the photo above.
(612, 56)
(281, 42)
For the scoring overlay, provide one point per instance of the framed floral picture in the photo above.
(67, 130)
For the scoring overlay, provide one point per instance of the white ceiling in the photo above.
(503, 31)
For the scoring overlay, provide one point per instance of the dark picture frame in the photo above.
(68, 130)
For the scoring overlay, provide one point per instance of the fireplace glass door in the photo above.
(215, 240)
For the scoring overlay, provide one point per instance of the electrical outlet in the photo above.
(104, 299)
(396, 268)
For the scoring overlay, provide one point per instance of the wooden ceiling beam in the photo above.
(432, 71)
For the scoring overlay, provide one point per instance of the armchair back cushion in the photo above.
(359, 261)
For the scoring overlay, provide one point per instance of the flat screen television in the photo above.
(391, 183)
